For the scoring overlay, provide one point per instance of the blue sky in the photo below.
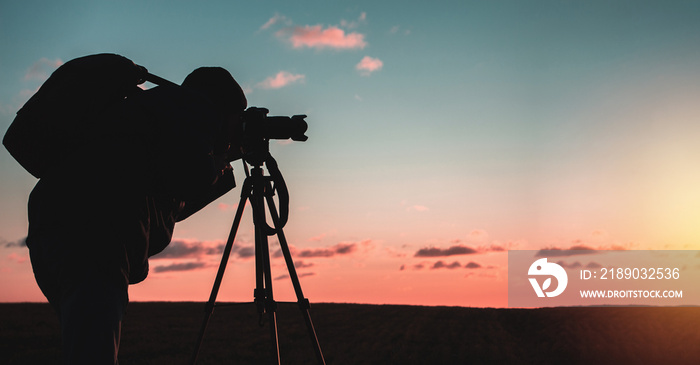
(489, 124)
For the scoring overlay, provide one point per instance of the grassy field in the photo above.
(166, 333)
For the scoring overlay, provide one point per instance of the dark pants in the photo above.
(91, 317)
(90, 310)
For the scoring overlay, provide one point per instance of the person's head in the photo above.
(221, 88)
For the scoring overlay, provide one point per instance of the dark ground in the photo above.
(165, 333)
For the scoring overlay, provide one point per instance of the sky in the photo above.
(441, 135)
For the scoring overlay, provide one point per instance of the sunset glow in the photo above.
(441, 136)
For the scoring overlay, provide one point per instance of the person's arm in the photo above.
(223, 185)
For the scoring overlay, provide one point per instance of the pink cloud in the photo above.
(368, 65)
(282, 79)
(317, 37)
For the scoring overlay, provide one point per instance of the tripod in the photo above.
(258, 189)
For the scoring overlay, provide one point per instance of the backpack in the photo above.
(64, 113)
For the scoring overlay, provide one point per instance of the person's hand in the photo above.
(141, 73)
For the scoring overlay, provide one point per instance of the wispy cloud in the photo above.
(577, 249)
(277, 18)
(245, 252)
(368, 65)
(397, 29)
(440, 264)
(440, 252)
(354, 23)
(477, 243)
(280, 80)
(303, 264)
(576, 265)
(178, 249)
(571, 251)
(338, 249)
(19, 243)
(300, 275)
(184, 266)
(473, 265)
(192, 249)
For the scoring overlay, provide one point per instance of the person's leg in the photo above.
(91, 316)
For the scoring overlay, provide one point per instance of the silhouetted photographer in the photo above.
(118, 167)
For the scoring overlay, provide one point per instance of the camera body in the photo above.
(257, 125)
(258, 129)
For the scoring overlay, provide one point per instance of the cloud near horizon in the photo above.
(303, 264)
(577, 265)
(181, 252)
(19, 243)
(439, 252)
(181, 266)
(192, 249)
(442, 265)
(300, 275)
(573, 251)
(339, 249)
(178, 249)
(342, 248)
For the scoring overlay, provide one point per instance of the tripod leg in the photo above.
(263, 293)
(209, 308)
(270, 306)
(303, 302)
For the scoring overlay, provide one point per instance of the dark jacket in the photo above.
(114, 202)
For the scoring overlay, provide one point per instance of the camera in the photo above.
(258, 126)
(258, 129)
